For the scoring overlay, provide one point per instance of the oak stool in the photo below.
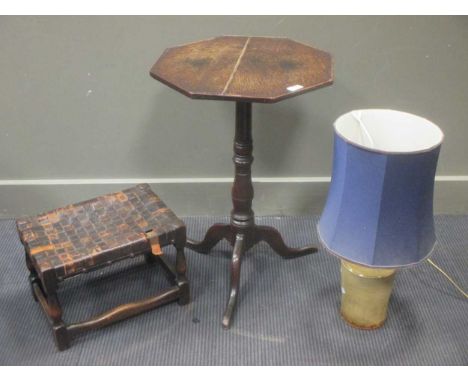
(95, 233)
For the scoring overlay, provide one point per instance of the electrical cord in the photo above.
(448, 278)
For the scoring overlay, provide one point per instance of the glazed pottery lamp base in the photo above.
(365, 294)
(378, 216)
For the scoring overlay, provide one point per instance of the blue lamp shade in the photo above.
(379, 208)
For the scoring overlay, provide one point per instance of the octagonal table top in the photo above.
(247, 69)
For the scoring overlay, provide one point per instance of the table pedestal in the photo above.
(242, 232)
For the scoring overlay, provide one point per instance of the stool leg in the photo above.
(61, 337)
(59, 329)
(181, 269)
(150, 258)
(54, 311)
(32, 280)
(32, 275)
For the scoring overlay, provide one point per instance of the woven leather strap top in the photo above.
(84, 235)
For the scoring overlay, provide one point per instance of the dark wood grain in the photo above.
(236, 68)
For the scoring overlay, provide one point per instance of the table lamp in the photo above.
(378, 216)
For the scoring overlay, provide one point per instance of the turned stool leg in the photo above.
(181, 269)
(54, 311)
(46, 292)
(59, 329)
(32, 275)
(150, 258)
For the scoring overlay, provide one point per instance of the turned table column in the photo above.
(242, 216)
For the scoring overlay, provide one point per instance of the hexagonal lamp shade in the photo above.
(247, 69)
(379, 211)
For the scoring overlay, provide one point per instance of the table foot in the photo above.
(235, 278)
(213, 236)
(274, 239)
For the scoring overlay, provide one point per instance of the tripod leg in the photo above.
(215, 234)
(237, 254)
(273, 238)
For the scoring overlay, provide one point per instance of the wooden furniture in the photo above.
(85, 236)
(244, 70)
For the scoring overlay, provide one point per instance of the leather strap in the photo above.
(154, 243)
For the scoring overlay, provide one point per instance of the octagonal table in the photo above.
(244, 70)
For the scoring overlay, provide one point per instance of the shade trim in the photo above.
(383, 151)
(340, 256)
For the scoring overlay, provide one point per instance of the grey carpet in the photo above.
(287, 313)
